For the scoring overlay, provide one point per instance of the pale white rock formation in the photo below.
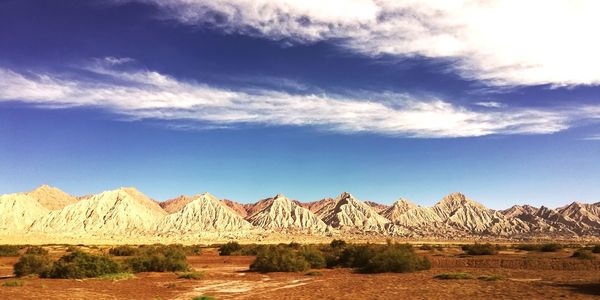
(51, 197)
(18, 211)
(281, 213)
(346, 212)
(124, 211)
(203, 213)
(399, 208)
(378, 207)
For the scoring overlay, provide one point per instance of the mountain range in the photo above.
(126, 212)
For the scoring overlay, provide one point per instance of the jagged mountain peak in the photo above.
(347, 212)
(281, 213)
(457, 200)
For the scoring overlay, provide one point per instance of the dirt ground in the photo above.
(526, 276)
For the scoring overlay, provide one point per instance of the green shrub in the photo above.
(229, 248)
(9, 250)
(279, 259)
(32, 264)
(396, 258)
(596, 249)
(480, 249)
(36, 250)
(117, 276)
(338, 243)
(123, 250)
(13, 283)
(196, 275)
(528, 247)
(193, 250)
(553, 247)
(314, 257)
(204, 298)
(356, 256)
(490, 277)
(582, 254)
(457, 275)
(82, 265)
(159, 259)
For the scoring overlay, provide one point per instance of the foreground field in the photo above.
(517, 274)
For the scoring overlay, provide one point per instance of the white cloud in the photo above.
(594, 137)
(501, 42)
(490, 104)
(151, 95)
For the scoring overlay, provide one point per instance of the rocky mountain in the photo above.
(202, 213)
(18, 211)
(454, 215)
(315, 206)
(398, 208)
(585, 215)
(281, 213)
(175, 204)
(378, 207)
(345, 212)
(236, 207)
(124, 211)
(51, 197)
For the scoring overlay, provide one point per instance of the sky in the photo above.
(245, 99)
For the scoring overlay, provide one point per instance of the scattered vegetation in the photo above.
(457, 275)
(398, 258)
(29, 264)
(36, 250)
(596, 249)
(551, 247)
(159, 258)
(337, 244)
(9, 250)
(117, 276)
(204, 298)
(123, 250)
(480, 249)
(72, 248)
(582, 254)
(314, 257)
(82, 265)
(229, 249)
(279, 259)
(196, 275)
(13, 283)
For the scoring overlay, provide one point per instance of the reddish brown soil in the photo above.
(226, 278)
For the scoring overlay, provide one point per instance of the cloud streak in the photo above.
(143, 94)
(503, 43)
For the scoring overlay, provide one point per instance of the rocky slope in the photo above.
(18, 211)
(236, 207)
(175, 204)
(202, 213)
(378, 207)
(51, 197)
(281, 213)
(124, 211)
(350, 214)
(315, 206)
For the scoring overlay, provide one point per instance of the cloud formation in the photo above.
(503, 43)
(143, 94)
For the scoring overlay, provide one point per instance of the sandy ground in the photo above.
(227, 278)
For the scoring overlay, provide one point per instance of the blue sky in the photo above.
(245, 100)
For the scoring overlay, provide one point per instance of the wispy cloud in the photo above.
(490, 104)
(500, 42)
(143, 94)
(593, 137)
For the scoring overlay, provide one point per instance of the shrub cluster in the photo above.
(396, 258)
(159, 258)
(36, 250)
(234, 248)
(279, 259)
(30, 264)
(9, 250)
(596, 249)
(123, 251)
(582, 254)
(480, 249)
(551, 247)
(231, 248)
(82, 265)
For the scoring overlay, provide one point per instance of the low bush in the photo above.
(29, 264)
(159, 258)
(457, 275)
(229, 248)
(82, 265)
(582, 254)
(356, 256)
(9, 250)
(480, 249)
(396, 258)
(117, 276)
(426, 247)
(314, 273)
(204, 298)
(490, 277)
(596, 249)
(550, 247)
(196, 275)
(36, 250)
(314, 257)
(193, 250)
(14, 283)
(123, 251)
(279, 259)
(528, 247)
(337, 244)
